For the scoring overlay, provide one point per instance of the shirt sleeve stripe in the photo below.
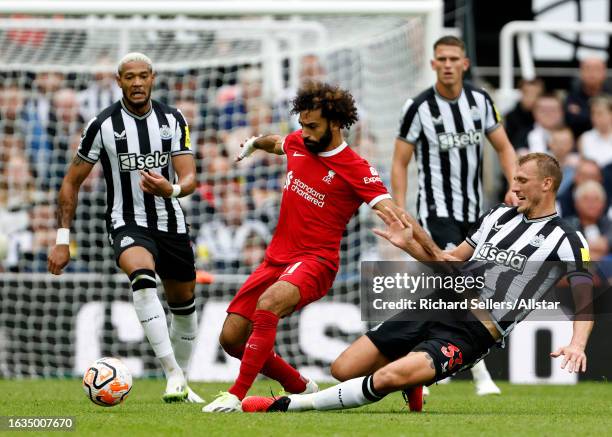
(377, 199)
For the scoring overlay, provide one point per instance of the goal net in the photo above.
(231, 79)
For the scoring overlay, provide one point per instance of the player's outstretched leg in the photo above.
(413, 370)
(183, 326)
(483, 381)
(277, 301)
(233, 338)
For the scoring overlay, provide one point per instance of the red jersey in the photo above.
(321, 194)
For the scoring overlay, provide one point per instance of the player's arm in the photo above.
(421, 237)
(507, 159)
(67, 202)
(268, 143)
(462, 252)
(156, 184)
(402, 154)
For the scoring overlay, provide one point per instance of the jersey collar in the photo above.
(540, 219)
(335, 151)
(444, 98)
(138, 117)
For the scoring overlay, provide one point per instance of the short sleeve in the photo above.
(91, 142)
(410, 123)
(492, 117)
(289, 141)
(475, 233)
(574, 253)
(362, 177)
(181, 142)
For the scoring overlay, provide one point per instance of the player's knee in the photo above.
(231, 344)
(341, 370)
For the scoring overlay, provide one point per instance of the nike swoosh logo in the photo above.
(297, 154)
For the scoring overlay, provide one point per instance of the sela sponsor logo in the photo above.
(126, 241)
(133, 161)
(501, 257)
(449, 140)
(330, 176)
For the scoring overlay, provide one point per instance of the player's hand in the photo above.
(574, 358)
(154, 183)
(446, 256)
(399, 229)
(248, 147)
(510, 198)
(58, 258)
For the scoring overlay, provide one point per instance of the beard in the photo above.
(322, 144)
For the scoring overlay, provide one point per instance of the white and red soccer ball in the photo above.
(107, 382)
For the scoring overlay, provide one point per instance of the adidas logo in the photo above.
(126, 241)
(120, 136)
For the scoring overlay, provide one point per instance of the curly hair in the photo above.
(336, 104)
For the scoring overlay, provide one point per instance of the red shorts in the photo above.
(311, 277)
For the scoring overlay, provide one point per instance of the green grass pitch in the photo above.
(453, 409)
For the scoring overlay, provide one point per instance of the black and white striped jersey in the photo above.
(126, 143)
(448, 137)
(523, 259)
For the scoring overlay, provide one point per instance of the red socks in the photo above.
(278, 369)
(256, 352)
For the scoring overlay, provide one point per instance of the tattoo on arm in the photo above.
(77, 160)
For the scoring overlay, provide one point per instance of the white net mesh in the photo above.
(231, 79)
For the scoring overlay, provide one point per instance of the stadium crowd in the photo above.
(235, 207)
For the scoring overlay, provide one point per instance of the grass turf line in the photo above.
(453, 409)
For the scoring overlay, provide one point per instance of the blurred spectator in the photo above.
(12, 101)
(37, 113)
(561, 146)
(596, 144)
(591, 220)
(586, 170)
(16, 196)
(102, 91)
(190, 110)
(592, 83)
(259, 121)
(253, 252)
(548, 116)
(235, 101)
(221, 241)
(519, 121)
(64, 130)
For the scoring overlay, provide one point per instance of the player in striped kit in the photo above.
(401, 354)
(145, 152)
(445, 126)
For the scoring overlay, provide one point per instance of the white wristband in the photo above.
(63, 236)
(248, 147)
(176, 190)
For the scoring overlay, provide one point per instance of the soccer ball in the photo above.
(107, 382)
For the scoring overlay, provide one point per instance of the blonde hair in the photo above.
(134, 57)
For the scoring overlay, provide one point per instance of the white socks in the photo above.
(480, 372)
(348, 394)
(183, 330)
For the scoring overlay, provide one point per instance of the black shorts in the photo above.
(453, 346)
(172, 252)
(445, 231)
